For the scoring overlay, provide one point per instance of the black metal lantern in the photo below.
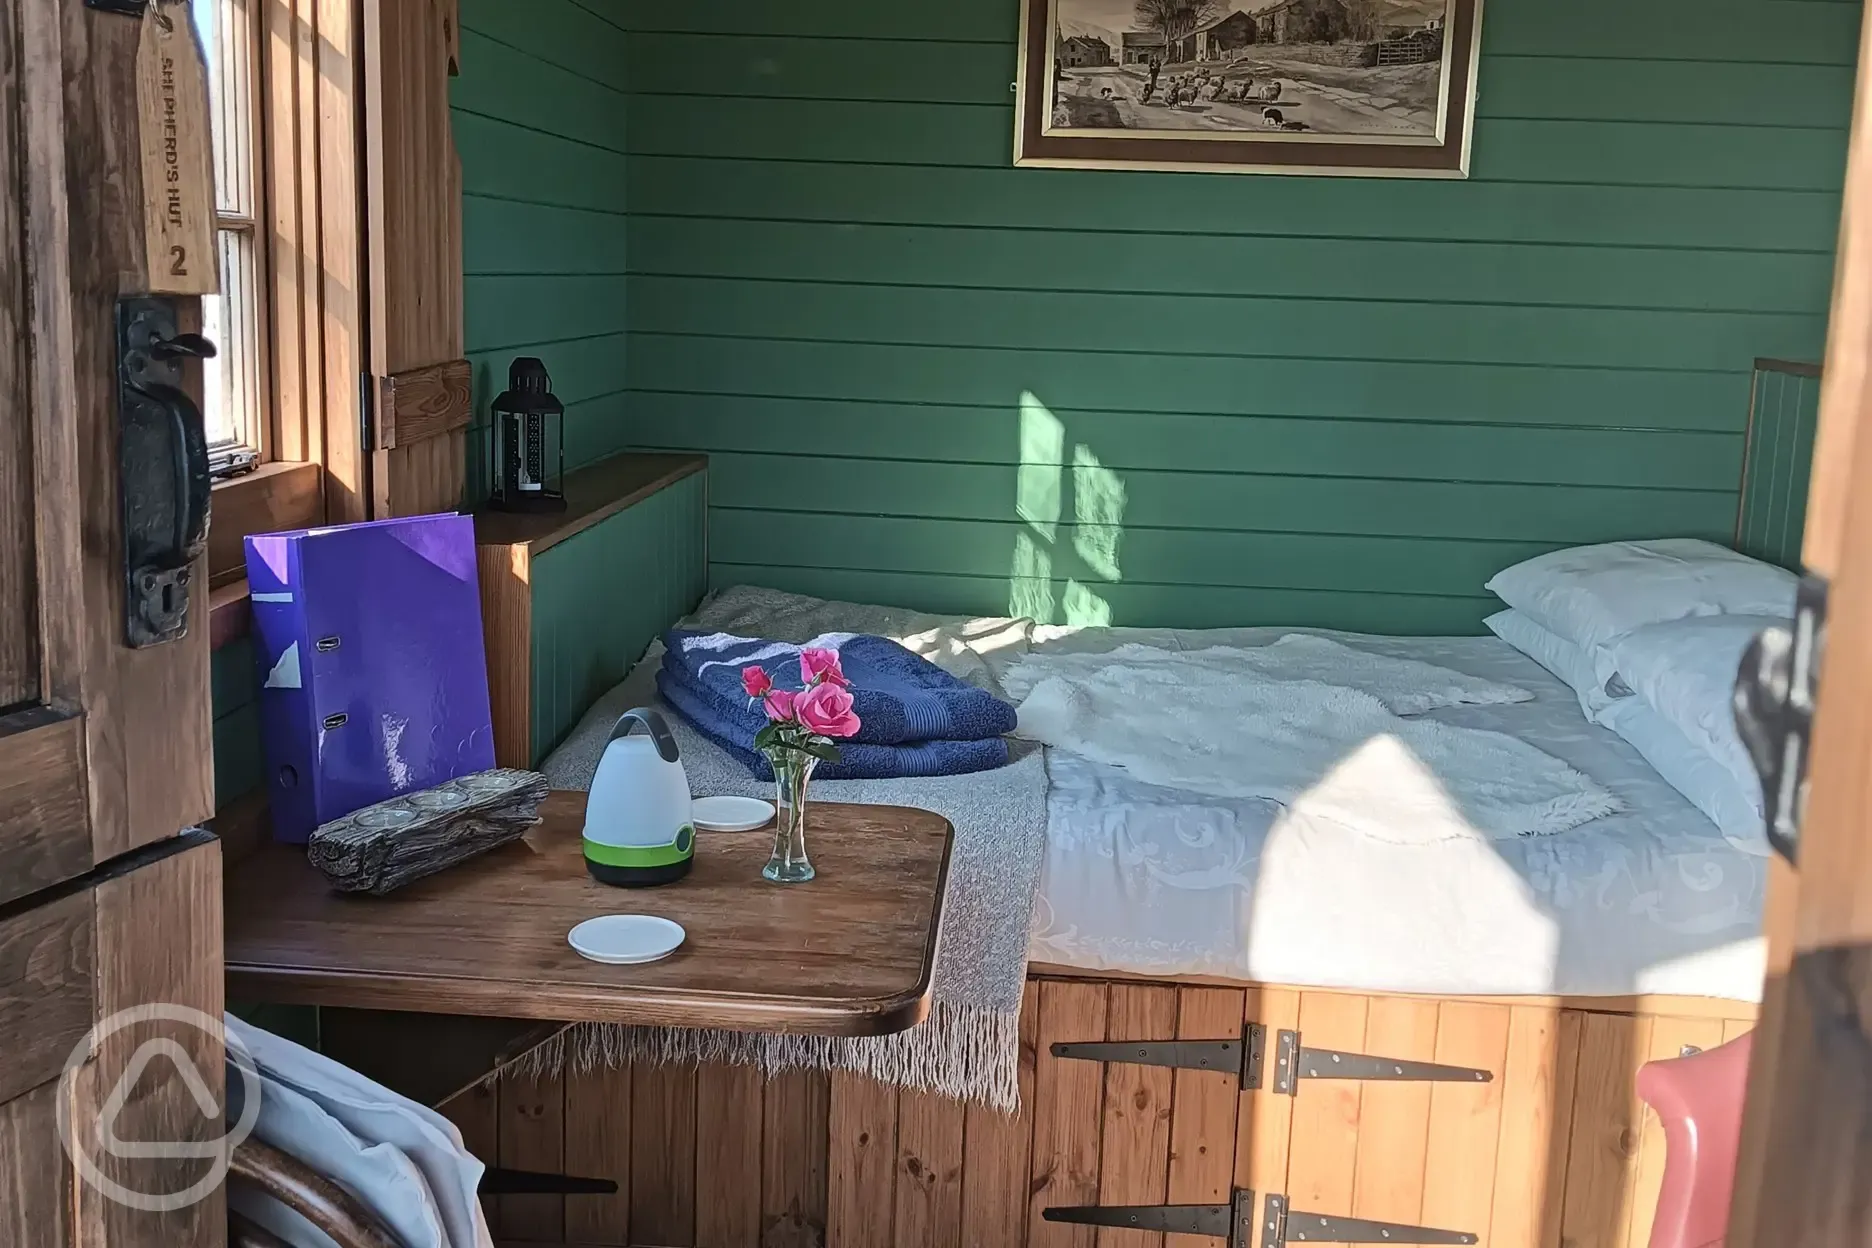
(528, 432)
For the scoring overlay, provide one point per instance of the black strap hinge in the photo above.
(1236, 1223)
(1774, 710)
(1247, 1057)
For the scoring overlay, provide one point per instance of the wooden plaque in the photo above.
(177, 154)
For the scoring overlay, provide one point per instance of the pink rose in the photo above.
(779, 704)
(821, 665)
(756, 681)
(826, 709)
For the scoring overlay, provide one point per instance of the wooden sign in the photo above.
(177, 154)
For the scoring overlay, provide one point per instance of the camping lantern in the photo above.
(528, 431)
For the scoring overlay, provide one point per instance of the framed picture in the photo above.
(1378, 88)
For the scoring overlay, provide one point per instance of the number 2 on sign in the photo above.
(178, 266)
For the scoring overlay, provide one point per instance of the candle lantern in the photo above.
(528, 435)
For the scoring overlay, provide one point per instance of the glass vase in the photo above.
(792, 774)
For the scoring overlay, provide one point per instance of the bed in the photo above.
(1558, 965)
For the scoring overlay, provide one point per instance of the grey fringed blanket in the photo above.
(968, 1047)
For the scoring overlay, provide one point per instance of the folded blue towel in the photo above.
(899, 697)
(856, 761)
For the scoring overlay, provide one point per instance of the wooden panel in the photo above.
(422, 403)
(1202, 1126)
(429, 1058)
(44, 837)
(532, 1137)
(19, 589)
(861, 1171)
(597, 1146)
(729, 1132)
(929, 1171)
(663, 1155)
(793, 1159)
(998, 1149)
(1320, 1168)
(175, 889)
(1134, 1151)
(1068, 1097)
(1264, 1124)
(46, 1001)
(476, 1114)
(148, 759)
(341, 263)
(593, 494)
(1538, 1088)
(505, 574)
(1465, 1118)
(1607, 1118)
(288, 113)
(35, 1192)
(420, 478)
(1393, 1136)
(273, 497)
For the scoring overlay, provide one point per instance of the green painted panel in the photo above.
(1528, 150)
(239, 767)
(1172, 441)
(1077, 487)
(1181, 325)
(1786, 415)
(1117, 381)
(515, 237)
(564, 34)
(601, 597)
(1117, 554)
(521, 88)
(1475, 210)
(1511, 85)
(1066, 602)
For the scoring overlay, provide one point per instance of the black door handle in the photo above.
(162, 469)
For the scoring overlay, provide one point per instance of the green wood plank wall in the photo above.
(601, 597)
(926, 377)
(238, 765)
(539, 118)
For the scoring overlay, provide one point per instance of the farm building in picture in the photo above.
(1084, 52)
(1140, 46)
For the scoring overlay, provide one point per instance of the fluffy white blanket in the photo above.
(1314, 725)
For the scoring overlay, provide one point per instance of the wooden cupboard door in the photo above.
(103, 748)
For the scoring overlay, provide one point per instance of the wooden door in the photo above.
(109, 898)
(1805, 1172)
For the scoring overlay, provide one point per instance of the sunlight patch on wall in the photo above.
(1098, 511)
(1042, 465)
(1030, 583)
(1085, 609)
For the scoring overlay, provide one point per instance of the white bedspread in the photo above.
(1312, 724)
(1158, 880)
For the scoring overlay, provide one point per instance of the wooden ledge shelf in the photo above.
(593, 494)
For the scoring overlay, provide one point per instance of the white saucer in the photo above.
(625, 938)
(730, 814)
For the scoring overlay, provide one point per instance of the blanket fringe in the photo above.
(960, 1052)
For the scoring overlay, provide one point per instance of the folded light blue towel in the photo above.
(856, 761)
(899, 697)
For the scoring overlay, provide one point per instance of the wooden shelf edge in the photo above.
(594, 493)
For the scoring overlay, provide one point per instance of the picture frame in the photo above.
(1363, 88)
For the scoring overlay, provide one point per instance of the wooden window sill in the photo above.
(272, 497)
(593, 493)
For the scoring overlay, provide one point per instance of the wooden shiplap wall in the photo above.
(926, 377)
(539, 120)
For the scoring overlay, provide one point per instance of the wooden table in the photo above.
(848, 954)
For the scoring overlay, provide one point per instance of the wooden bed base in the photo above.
(1556, 1149)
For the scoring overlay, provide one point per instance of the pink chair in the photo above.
(1699, 1100)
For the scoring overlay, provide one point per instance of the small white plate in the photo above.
(620, 939)
(730, 814)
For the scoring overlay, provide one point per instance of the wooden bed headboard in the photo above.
(1784, 408)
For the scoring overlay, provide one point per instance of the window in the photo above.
(234, 381)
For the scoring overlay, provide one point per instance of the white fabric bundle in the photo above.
(1309, 723)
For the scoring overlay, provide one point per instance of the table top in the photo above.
(848, 953)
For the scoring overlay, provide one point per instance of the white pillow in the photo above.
(1685, 670)
(1591, 594)
(1709, 786)
(1557, 655)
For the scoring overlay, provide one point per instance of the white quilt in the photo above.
(1158, 880)
(1309, 723)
